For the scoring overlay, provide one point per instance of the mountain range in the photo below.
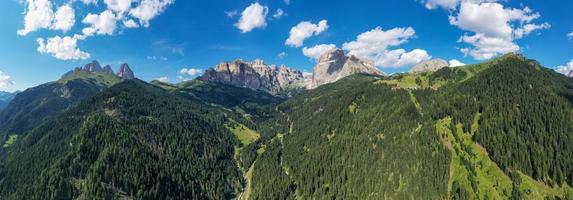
(501, 129)
(284, 81)
(5, 99)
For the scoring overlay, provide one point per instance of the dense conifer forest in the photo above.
(502, 129)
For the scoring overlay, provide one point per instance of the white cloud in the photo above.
(318, 50)
(446, 4)
(163, 79)
(88, 2)
(253, 17)
(528, 28)
(565, 69)
(494, 27)
(190, 71)
(456, 63)
(305, 30)
(231, 14)
(279, 13)
(374, 45)
(149, 9)
(130, 24)
(287, 2)
(64, 19)
(62, 48)
(39, 14)
(487, 47)
(102, 24)
(570, 35)
(5, 80)
(282, 55)
(118, 6)
(156, 58)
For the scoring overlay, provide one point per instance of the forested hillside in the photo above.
(133, 140)
(496, 130)
(32, 106)
(354, 139)
(502, 129)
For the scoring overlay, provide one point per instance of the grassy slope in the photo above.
(98, 78)
(247, 136)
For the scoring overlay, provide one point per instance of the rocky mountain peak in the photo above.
(335, 64)
(256, 75)
(125, 72)
(429, 66)
(107, 69)
(93, 67)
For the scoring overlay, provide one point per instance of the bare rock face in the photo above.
(93, 67)
(281, 81)
(335, 65)
(125, 72)
(107, 69)
(429, 66)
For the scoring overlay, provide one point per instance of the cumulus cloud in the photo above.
(316, 51)
(375, 45)
(62, 48)
(485, 47)
(149, 9)
(39, 14)
(528, 28)
(5, 80)
(190, 71)
(456, 63)
(282, 55)
(494, 27)
(253, 17)
(566, 69)
(64, 19)
(570, 35)
(102, 24)
(118, 6)
(163, 79)
(130, 24)
(305, 30)
(279, 13)
(446, 4)
(287, 2)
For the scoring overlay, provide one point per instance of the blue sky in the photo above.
(197, 34)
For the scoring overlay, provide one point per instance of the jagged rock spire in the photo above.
(125, 72)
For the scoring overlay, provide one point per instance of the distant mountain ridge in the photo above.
(285, 81)
(94, 67)
(32, 106)
(429, 66)
(257, 75)
(6, 98)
